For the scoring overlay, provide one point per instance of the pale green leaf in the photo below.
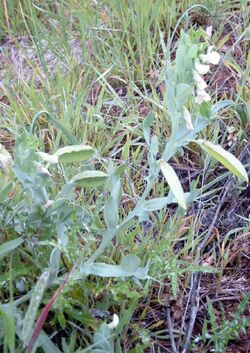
(105, 270)
(9, 246)
(226, 158)
(47, 344)
(35, 301)
(90, 178)
(173, 182)
(8, 318)
(192, 52)
(4, 191)
(154, 146)
(102, 340)
(183, 91)
(147, 122)
(222, 105)
(111, 213)
(156, 204)
(76, 153)
(130, 263)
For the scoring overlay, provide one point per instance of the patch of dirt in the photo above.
(235, 212)
(19, 59)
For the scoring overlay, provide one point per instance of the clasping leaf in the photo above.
(76, 153)
(224, 157)
(173, 182)
(90, 178)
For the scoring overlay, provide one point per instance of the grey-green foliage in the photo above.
(102, 340)
(129, 266)
(30, 316)
(45, 205)
(7, 324)
(111, 207)
(9, 246)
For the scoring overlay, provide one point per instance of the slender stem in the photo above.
(169, 152)
(179, 22)
(170, 331)
(194, 310)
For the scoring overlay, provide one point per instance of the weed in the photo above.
(101, 238)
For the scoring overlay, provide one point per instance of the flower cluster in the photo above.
(201, 68)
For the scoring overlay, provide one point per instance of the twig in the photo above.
(183, 320)
(194, 310)
(170, 331)
(210, 229)
(193, 293)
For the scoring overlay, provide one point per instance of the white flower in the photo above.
(212, 57)
(114, 323)
(5, 159)
(201, 68)
(188, 119)
(201, 84)
(209, 30)
(202, 96)
(4, 162)
(50, 158)
(48, 203)
(42, 170)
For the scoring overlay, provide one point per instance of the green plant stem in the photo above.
(179, 22)
(169, 151)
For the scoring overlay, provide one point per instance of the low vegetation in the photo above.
(124, 168)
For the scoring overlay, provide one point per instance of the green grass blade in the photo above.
(55, 122)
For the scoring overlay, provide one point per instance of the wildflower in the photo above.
(201, 68)
(5, 159)
(50, 158)
(212, 57)
(209, 30)
(42, 170)
(201, 84)
(188, 119)
(202, 96)
(114, 323)
(48, 203)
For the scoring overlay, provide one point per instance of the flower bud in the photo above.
(114, 323)
(201, 84)
(212, 57)
(201, 68)
(50, 158)
(5, 159)
(42, 170)
(202, 96)
(188, 119)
